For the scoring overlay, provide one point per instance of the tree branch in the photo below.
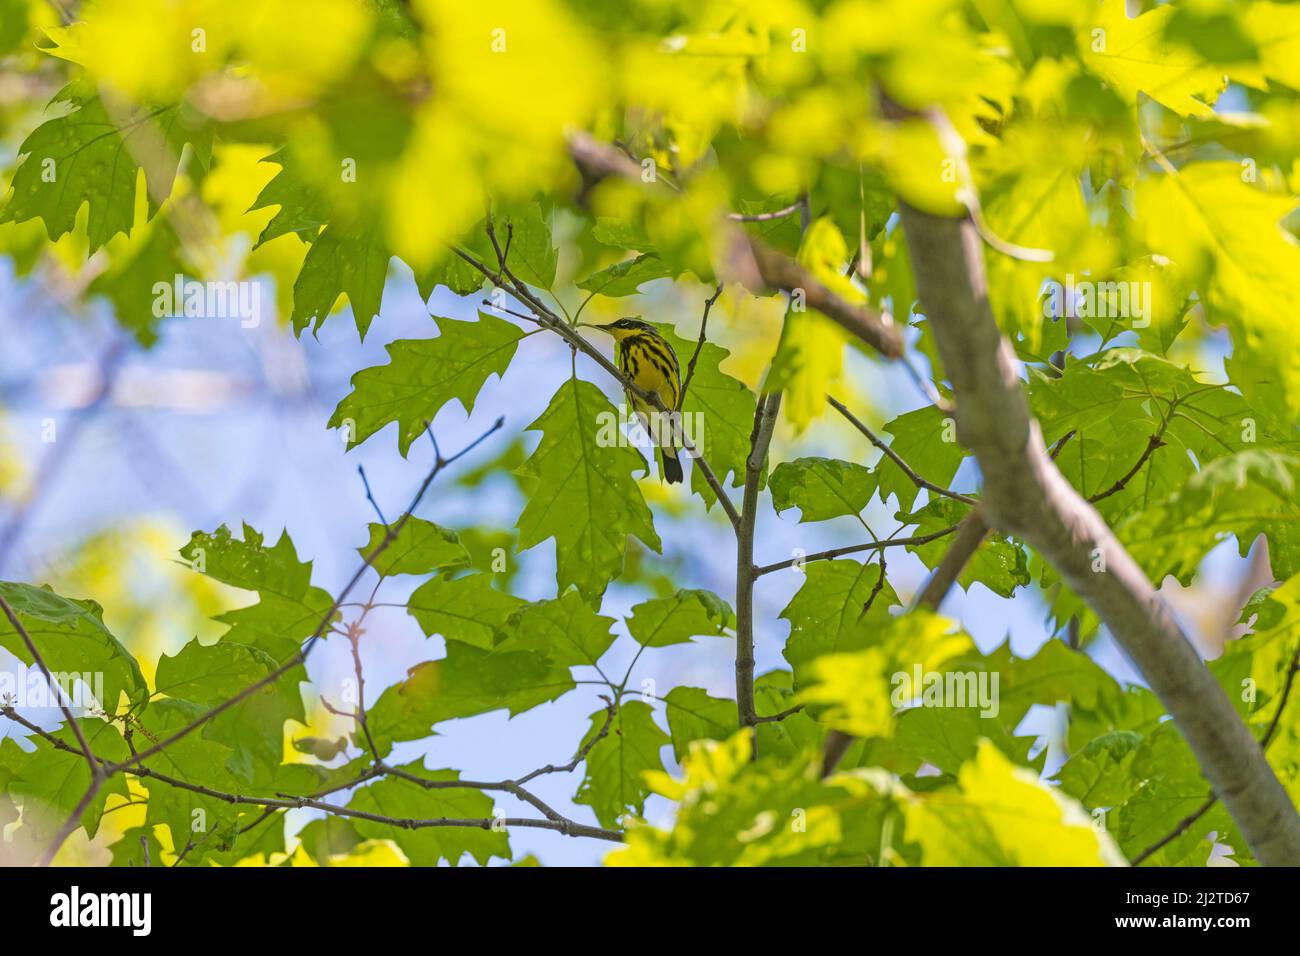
(1026, 495)
(896, 458)
(971, 533)
(777, 718)
(779, 271)
(699, 345)
(767, 216)
(553, 821)
(389, 536)
(1154, 442)
(877, 545)
(545, 317)
(760, 439)
(95, 770)
(101, 769)
(759, 264)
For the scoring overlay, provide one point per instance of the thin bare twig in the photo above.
(777, 718)
(1154, 442)
(699, 345)
(877, 545)
(896, 458)
(361, 470)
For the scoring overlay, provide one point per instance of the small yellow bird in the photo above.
(646, 358)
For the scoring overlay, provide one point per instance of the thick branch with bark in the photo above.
(778, 271)
(761, 438)
(756, 264)
(1026, 495)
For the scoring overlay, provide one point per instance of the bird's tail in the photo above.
(672, 467)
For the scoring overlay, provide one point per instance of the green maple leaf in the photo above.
(857, 687)
(1133, 55)
(531, 254)
(679, 617)
(999, 563)
(303, 209)
(425, 374)
(614, 784)
(1031, 194)
(72, 639)
(290, 609)
(793, 735)
(138, 846)
(1101, 775)
(585, 498)
(694, 715)
(85, 157)
(1246, 494)
(428, 846)
(260, 637)
(1227, 238)
(213, 758)
(211, 673)
(1054, 674)
(420, 547)
(329, 836)
(529, 664)
(1115, 401)
(926, 441)
(464, 609)
(216, 757)
(453, 272)
(724, 407)
(947, 737)
(340, 262)
(971, 827)
(825, 615)
(566, 627)
(735, 811)
(611, 231)
(822, 488)
(128, 284)
(625, 278)
(1168, 787)
(51, 782)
